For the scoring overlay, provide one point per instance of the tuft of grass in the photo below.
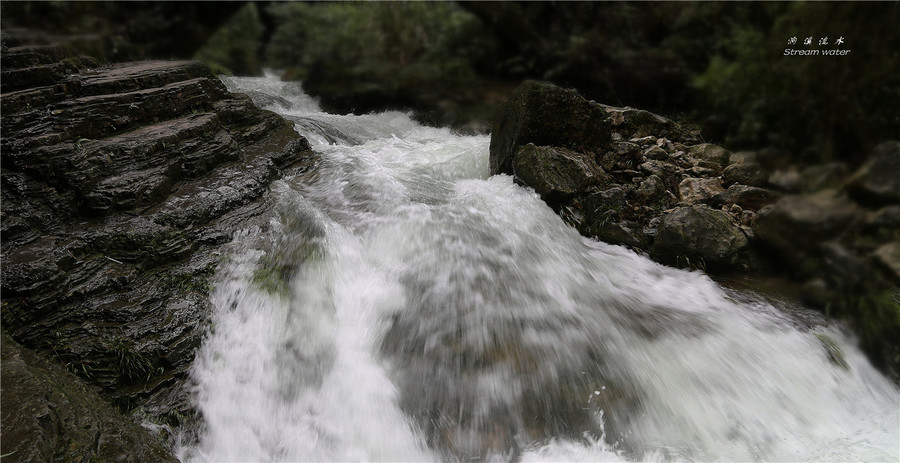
(129, 362)
(686, 263)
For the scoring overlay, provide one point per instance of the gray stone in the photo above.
(655, 152)
(888, 256)
(742, 156)
(651, 190)
(699, 190)
(819, 177)
(745, 173)
(632, 122)
(804, 220)
(555, 172)
(704, 236)
(547, 115)
(748, 197)
(51, 415)
(710, 152)
(878, 180)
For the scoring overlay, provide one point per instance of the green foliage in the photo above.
(370, 56)
(233, 48)
(818, 107)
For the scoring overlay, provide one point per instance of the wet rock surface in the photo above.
(118, 183)
(51, 415)
(825, 228)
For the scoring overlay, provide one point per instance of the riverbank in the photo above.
(630, 177)
(119, 182)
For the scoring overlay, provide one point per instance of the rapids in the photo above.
(403, 305)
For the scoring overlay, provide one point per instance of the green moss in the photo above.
(876, 319)
(273, 275)
(835, 354)
(197, 281)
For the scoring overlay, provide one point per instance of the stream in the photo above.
(403, 305)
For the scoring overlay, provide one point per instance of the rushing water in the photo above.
(403, 305)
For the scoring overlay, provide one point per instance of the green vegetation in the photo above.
(129, 362)
(819, 108)
(876, 317)
(233, 48)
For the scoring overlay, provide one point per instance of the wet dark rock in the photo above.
(699, 190)
(888, 256)
(547, 115)
(804, 220)
(747, 197)
(557, 172)
(630, 123)
(819, 177)
(651, 190)
(877, 182)
(51, 415)
(711, 153)
(118, 182)
(754, 229)
(745, 173)
(624, 232)
(700, 236)
(610, 203)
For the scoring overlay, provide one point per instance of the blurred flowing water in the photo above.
(406, 306)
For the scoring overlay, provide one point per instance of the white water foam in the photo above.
(411, 232)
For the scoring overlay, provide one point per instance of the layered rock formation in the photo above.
(630, 177)
(118, 182)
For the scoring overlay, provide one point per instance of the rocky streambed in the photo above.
(120, 181)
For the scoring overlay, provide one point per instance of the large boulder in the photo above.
(746, 173)
(700, 237)
(547, 115)
(878, 180)
(748, 197)
(699, 190)
(710, 153)
(631, 122)
(51, 415)
(557, 172)
(802, 221)
(118, 182)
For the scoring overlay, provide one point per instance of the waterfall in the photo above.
(402, 305)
